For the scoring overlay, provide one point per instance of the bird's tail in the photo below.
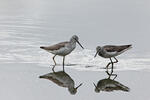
(42, 47)
(125, 48)
(124, 88)
(129, 46)
(44, 76)
(41, 77)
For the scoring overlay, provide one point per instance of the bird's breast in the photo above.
(71, 46)
(102, 54)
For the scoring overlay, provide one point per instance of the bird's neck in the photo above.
(73, 44)
(72, 40)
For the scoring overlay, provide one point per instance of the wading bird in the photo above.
(63, 48)
(111, 51)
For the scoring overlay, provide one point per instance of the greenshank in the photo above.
(62, 48)
(111, 51)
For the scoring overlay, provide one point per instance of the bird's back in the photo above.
(113, 48)
(110, 85)
(55, 46)
(60, 78)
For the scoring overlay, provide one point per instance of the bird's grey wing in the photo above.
(54, 78)
(112, 48)
(55, 46)
(122, 87)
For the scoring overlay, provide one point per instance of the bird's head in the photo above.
(98, 49)
(75, 39)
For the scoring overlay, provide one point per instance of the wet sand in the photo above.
(20, 81)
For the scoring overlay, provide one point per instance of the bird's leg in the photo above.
(116, 60)
(111, 74)
(53, 68)
(112, 63)
(114, 75)
(108, 66)
(63, 63)
(112, 67)
(108, 74)
(54, 60)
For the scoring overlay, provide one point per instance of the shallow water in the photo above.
(25, 25)
(21, 81)
(21, 38)
(24, 48)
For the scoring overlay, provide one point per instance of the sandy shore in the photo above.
(19, 81)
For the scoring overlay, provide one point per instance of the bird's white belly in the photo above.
(62, 51)
(108, 54)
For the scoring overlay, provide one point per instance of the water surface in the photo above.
(25, 25)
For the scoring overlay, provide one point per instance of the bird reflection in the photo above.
(110, 85)
(62, 79)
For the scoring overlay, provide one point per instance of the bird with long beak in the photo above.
(63, 48)
(111, 51)
(109, 85)
(62, 79)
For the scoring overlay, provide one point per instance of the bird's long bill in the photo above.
(95, 85)
(78, 86)
(79, 44)
(96, 54)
